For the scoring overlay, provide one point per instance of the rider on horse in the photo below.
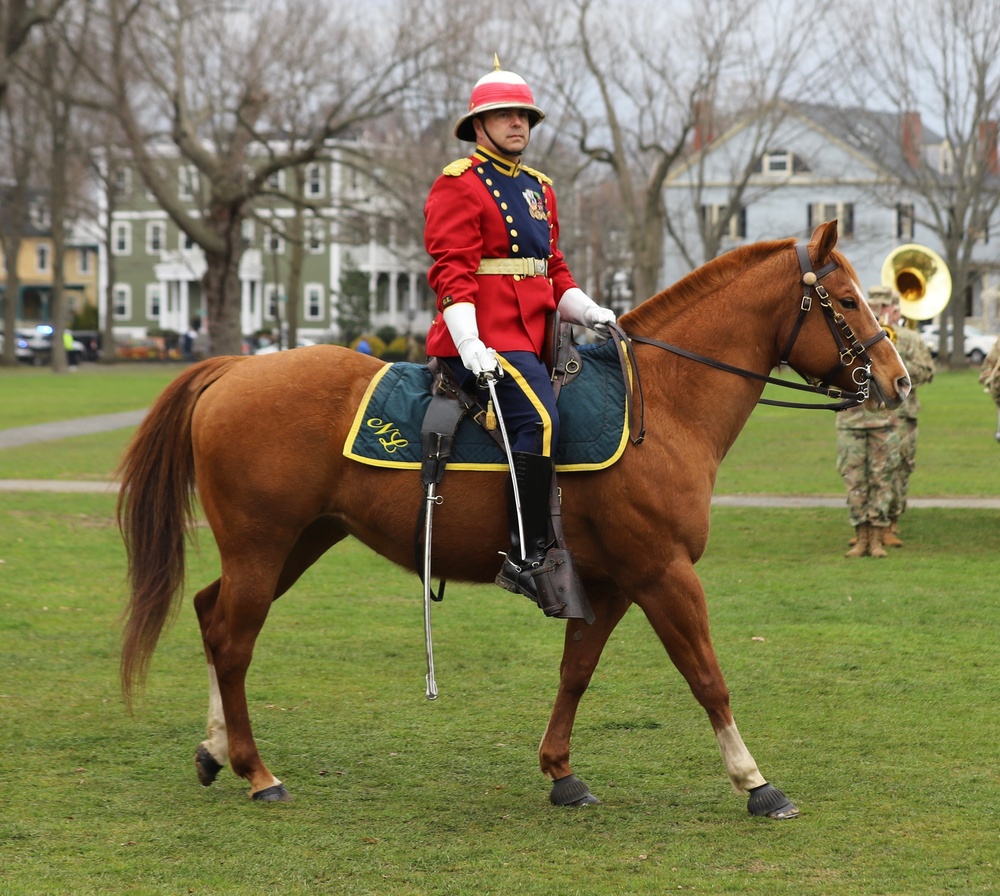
(493, 231)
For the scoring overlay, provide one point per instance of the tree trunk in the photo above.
(223, 298)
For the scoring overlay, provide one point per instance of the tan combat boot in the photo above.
(860, 548)
(875, 537)
(890, 538)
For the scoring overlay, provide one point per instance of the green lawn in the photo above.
(865, 689)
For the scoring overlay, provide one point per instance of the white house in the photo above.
(810, 163)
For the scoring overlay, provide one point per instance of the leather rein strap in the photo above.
(849, 347)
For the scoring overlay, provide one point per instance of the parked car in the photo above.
(977, 343)
(39, 342)
(24, 354)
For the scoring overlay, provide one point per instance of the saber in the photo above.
(432, 499)
(490, 380)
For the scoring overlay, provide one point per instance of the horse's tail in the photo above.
(155, 513)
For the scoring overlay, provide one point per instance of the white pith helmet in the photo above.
(497, 90)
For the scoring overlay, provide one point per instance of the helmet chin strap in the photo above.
(497, 145)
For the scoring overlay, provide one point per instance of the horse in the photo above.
(277, 497)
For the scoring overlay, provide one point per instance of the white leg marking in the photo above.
(743, 771)
(218, 741)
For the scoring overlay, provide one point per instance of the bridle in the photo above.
(851, 351)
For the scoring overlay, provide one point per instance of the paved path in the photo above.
(46, 432)
(63, 429)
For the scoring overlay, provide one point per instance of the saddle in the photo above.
(449, 404)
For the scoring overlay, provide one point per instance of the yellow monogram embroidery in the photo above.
(395, 437)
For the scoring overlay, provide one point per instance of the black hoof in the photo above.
(206, 766)
(768, 801)
(571, 791)
(276, 793)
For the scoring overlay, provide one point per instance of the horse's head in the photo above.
(836, 338)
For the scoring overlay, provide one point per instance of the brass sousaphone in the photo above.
(922, 280)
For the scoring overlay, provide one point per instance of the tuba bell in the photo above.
(921, 278)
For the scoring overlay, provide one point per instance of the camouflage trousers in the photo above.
(868, 460)
(907, 430)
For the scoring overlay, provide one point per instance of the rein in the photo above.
(850, 348)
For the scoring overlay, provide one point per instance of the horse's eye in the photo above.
(850, 303)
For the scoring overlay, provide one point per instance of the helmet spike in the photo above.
(496, 63)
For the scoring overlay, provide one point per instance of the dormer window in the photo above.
(777, 162)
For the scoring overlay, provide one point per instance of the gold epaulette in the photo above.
(459, 166)
(544, 178)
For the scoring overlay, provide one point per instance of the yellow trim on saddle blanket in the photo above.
(385, 431)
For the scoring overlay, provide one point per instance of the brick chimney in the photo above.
(988, 146)
(704, 128)
(912, 138)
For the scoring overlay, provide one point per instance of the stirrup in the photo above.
(553, 585)
(516, 579)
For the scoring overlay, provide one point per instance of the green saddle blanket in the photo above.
(592, 417)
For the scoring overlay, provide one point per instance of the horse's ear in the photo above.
(824, 239)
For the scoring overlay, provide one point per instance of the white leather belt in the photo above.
(524, 267)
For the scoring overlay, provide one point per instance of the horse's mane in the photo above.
(718, 272)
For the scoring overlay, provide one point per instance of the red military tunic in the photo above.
(486, 207)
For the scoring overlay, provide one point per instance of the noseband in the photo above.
(852, 352)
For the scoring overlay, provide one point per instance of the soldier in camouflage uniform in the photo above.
(920, 366)
(989, 376)
(867, 457)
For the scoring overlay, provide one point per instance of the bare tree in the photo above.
(242, 94)
(20, 148)
(55, 70)
(949, 80)
(17, 20)
(643, 86)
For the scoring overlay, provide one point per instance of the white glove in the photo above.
(460, 319)
(577, 307)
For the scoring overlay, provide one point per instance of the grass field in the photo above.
(865, 689)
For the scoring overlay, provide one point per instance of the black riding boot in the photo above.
(534, 477)
(539, 570)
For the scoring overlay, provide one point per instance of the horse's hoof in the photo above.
(276, 793)
(768, 801)
(206, 766)
(571, 791)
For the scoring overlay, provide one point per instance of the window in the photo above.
(122, 301)
(274, 242)
(276, 180)
(778, 162)
(246, 231)
(819, 212)
(153, 301)
(155, 237)
(314, 180)
(121, 182)
(735, 228)
(185, 241)
(121, 238)
(905, 221)
(83, 261)
(314, 301)
(42, 258)
(272, 299)
(315, 235)
(187, 182)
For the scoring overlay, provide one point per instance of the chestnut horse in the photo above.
(277, 497)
